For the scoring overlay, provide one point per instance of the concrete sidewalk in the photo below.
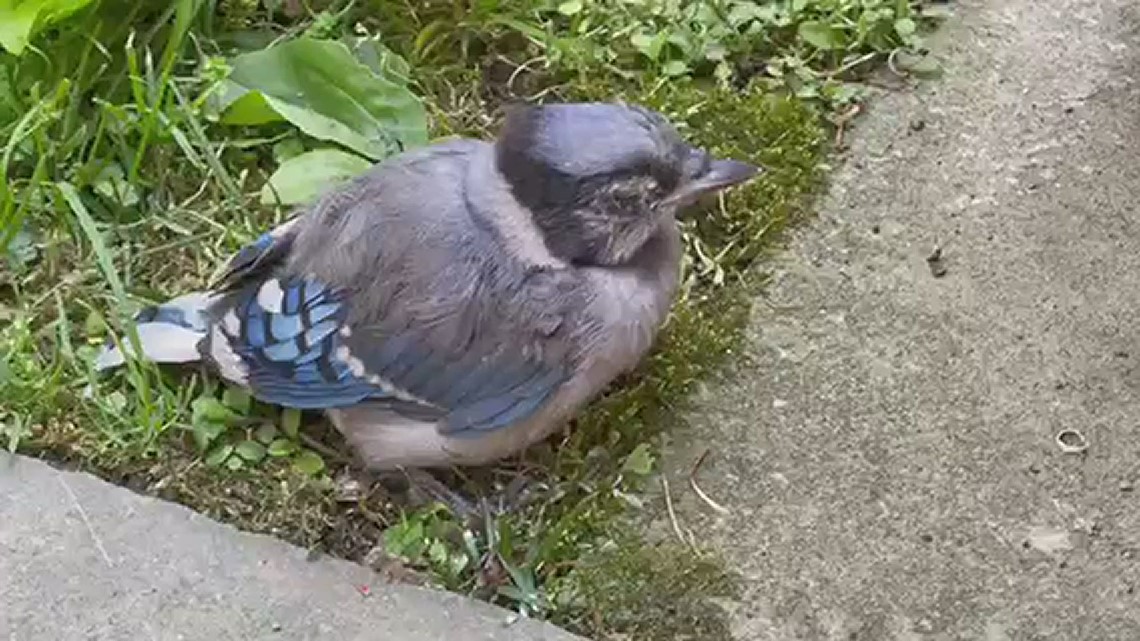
(83, 559)
(887, 444)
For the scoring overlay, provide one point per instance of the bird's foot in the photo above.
(423, 488)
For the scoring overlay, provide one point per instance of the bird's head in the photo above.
(600, 179)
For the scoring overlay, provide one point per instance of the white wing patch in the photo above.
(229, 364)
(270, 296)
(356, 366)
(161, 343)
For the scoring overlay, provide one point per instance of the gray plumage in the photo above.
(461, 301)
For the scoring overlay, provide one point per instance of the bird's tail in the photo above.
(168, 333)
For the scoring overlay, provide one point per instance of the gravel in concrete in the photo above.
(887, 445)
(83, 559)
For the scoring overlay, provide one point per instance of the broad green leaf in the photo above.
(639, 461)
(650, 46)
(675, 68)
(406, 539)
(94, 325)
(282, 447)
(326, 92)
(210, 410)
(219, 455)
(716, 52)
(21, 20)
(905, 27)
(920, 66)
(251, 109)
(437, 552)
(820, 35)
(290, 147)
(21, 249)
(682, 41)
(570, 7)
(380, 59)
(205, 432)
(251, 451)
(237, 399)
(291, 422)
(266, 433)
(113, 185)
(309, 462)
(115, 401)
(744, 12)
(302, 178)
(643, 42)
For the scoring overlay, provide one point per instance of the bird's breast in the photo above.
(630, 308)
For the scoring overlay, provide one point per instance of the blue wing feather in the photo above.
(294, 355)
(290, 359)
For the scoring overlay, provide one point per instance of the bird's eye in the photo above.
(697, 163)
(664, 177)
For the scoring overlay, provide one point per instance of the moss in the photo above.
(658, 592)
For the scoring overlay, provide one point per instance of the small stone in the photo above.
(1071, 441)
(376, 557)
(927, 538)
(1049, 540)
(875, 229)
(918, 124)
(1126, 486)
(348, 489)
(936, 264)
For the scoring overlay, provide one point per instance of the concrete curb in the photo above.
(82, 558)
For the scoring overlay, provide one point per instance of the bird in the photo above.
(463, 300)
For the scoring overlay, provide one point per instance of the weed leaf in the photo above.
(20, 20)
(302, 178)
(326, 92)
(251, 451)
(821, 35)
(309, 462)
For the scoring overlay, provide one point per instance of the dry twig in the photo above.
(701, 493)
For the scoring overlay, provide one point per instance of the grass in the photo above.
(139, 153)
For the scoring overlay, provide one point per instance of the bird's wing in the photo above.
(486, 361)
(456, 358)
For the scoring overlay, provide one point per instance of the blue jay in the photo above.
(460, 301)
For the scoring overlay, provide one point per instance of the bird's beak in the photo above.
(721, 174)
